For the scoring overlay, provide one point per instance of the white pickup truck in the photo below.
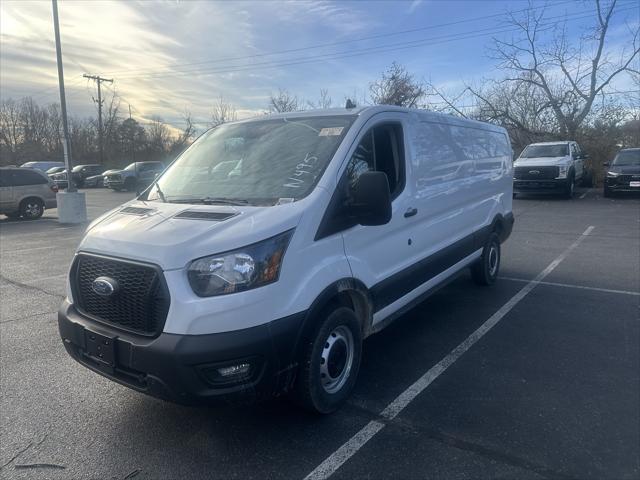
(550, 167)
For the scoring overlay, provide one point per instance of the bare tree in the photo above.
(283, 101)
(158, 136)
(10, 129)
(186, 135)
(569, 75)
(324, 100)
(397, 87)
(222, 112)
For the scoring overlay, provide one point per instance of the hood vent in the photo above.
(136, 211)
(203, 215)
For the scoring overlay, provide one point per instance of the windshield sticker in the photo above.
(303, 173)
(330, 132)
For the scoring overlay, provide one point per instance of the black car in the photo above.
(81, 172)
(623, 174)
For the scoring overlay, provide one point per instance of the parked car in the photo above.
(25, 193)
(135, 175)
(44, 166)
(268, 280)
(550, 167)
(54, 170)
(94, 181)
(79, 173)
(623, 174)
(60, 179)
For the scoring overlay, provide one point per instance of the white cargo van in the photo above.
(262, 257)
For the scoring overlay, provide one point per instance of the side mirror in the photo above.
(372, 199)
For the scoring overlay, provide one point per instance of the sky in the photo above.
(168, 57)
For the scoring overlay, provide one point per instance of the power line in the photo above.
(354, 53)
(331, 44)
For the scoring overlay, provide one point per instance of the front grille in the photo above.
(536, 173)
(140, 303)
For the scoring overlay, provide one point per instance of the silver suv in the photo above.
(25, 193)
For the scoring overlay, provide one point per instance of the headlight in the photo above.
(564, 169)
(612, 174)
(243, 269)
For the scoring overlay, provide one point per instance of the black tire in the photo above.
(515, 194)
(316, 389)
(130, 184)
(569, 190)
(485, 270)
(31, 208)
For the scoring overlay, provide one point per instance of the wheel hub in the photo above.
(493, 260)
(336, 359)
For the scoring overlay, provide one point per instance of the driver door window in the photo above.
(381, 149)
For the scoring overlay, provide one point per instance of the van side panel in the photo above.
(461, 181)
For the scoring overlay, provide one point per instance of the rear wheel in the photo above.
(485, 270)
(329, 362)
(31, 208)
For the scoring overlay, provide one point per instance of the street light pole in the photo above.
(63, 101)
(71, 204)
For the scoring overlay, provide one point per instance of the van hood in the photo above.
(172, 235)
(542, 161)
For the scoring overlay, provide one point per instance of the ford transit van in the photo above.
(257, 262)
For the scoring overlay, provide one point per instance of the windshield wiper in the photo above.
(162, 197)
(212, 201)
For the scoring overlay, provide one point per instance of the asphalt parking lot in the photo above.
(535, 377)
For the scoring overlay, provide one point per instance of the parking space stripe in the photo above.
(356, 442)
(581, 287)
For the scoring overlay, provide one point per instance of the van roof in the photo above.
(425, 115)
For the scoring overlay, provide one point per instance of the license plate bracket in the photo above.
(100, 348)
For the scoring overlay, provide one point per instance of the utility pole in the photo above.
(98, 79)
(72, 207)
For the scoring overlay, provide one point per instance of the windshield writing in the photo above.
(256, 162)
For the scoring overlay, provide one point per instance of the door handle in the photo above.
(410, 212)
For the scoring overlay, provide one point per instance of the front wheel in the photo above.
(329, 362)
(570, 188)
(485, 270)
(31, 208)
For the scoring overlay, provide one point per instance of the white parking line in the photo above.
(569, 285)
(355, 443)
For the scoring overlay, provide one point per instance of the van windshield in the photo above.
(257, 162)
(533, 151)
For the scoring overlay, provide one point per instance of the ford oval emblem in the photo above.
(104, 286)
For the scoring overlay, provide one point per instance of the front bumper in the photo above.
(617, 185)
(556, 185)
(179, 367)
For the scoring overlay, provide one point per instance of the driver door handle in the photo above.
(410, 212)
